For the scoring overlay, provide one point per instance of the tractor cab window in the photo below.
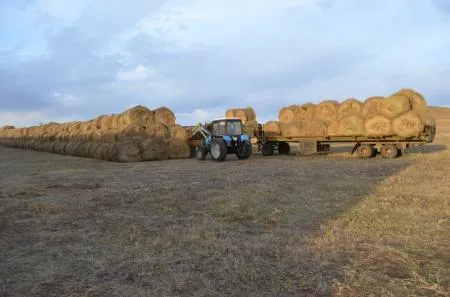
(234, 128)
(219, 128)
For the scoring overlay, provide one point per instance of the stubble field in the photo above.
(332, 225)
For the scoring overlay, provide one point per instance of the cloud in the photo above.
(80, 59)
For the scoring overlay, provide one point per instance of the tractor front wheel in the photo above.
(219, 149)
(245, 151)
(200, 153)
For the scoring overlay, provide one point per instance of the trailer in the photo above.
(365, 147)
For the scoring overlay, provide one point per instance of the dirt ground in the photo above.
(332, 225)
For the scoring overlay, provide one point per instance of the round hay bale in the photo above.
(99, 120)
(59, 147)
(327, 111)
(393, 106)
(158, 131)
(164, 115)
(350, 107)
(107, 122)
(96, 135)
(88, 126)
(93, 148)
(125, 152)
(272, 128)
(139, 115)
(416, 100)
(155, 149)
(252, 124)
(179, 149)
(72, 147)
(245, 114)
(288, 114)
(407, 125)
(372, 106)
(66, 136)
(309, 110)
(351, 125)
(59, 136)
(333, 129)
(427, 118)
(378, 126)
(304, 128)
(131, 130)
(230, 113)
(105, 151)
(82, 150)
(178, 132)
(110, 135)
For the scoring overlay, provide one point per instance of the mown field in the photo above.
(330, 225)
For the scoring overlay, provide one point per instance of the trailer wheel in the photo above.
(390, 151)
(284, 148)
(366, 151)
(267, 149)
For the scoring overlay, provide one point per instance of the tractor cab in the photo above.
(231, 127)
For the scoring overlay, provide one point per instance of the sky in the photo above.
(64, 60)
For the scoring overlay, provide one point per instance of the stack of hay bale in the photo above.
(401, 114)
(137, 134)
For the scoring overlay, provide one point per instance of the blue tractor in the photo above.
(220, 138)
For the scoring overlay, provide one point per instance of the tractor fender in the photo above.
(244, 137)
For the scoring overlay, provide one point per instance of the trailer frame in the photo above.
(366, 147)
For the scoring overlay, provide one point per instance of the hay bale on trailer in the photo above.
(393, 106)
(288, 114)
(327, 111)
(350, 107)
(407, 125)
(372, 106)
(351, 125)
(378, 126)
(416, 100)
(304, 128)
(272, 128)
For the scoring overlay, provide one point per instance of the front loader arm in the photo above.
(200, 129)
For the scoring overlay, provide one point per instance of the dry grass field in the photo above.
(332, 225)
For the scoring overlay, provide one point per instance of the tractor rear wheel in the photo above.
(267, 149)
(284, 148)
(390, 151)
(245, 151)
(219, 149)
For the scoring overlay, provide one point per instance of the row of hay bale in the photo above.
(401, 114)
(137, 134)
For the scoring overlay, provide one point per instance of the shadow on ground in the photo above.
(72, 226)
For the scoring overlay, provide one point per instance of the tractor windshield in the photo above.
(234, 128)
